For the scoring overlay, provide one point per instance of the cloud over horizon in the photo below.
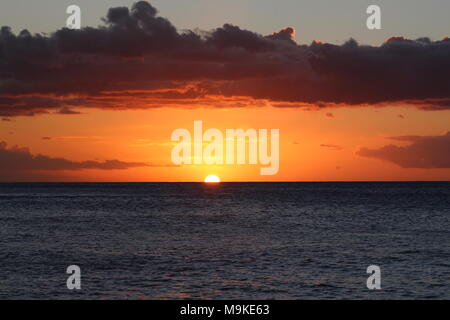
(139, 60)
(425, 152)
(16, 159)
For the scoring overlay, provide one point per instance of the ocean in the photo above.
(225, 241)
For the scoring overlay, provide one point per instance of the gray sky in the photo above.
(326, 20)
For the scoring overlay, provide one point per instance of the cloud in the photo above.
(139, 60)
(66, 110)
(17, 159)
(331, 146)
(424, 152)
(286, 34)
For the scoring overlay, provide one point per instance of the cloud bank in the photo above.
(425, 152)
(17, 159)
(139, 60)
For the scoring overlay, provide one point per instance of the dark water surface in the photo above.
(230, 241)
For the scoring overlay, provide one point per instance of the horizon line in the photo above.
(298, 181)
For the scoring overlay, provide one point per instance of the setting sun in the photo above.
(212, 178)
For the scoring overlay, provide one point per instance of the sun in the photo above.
(212, 178)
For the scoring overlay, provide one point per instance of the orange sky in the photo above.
(144, 136)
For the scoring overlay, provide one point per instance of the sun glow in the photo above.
(212, 178)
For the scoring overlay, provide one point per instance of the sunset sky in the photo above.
(100, 104)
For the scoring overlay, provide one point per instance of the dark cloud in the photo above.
(34, 104)
(286, 34)
(66, 110)
(423, 152)
(433, 104)
(17, 159)
(141, 56)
